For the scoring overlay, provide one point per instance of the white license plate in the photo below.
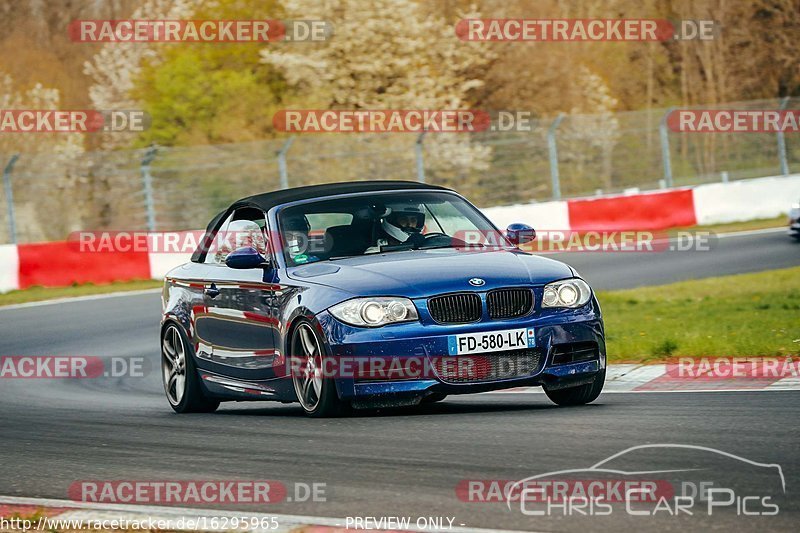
(491, 341)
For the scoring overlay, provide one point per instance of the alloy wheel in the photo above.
(307, 367)
(173, 364)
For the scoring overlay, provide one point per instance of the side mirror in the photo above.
(519, 234)
(246, 257)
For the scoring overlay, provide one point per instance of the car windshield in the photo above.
(381, 223)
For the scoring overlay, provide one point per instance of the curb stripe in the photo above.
(635, 378)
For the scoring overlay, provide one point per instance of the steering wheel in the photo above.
(436, 239)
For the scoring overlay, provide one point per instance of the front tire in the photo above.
(179, 374)
(580, 395)
(315, 392)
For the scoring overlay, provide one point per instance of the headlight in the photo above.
(373, 312)
(568, 293)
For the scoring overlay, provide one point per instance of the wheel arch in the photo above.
(300, 315)
(169, 320)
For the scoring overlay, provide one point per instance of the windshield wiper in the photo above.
(396, 248)
(441, 246)
(403, 249)
(457, 245)
(409, 248)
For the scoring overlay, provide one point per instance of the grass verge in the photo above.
(34, 294)
(750, 225)
(741, 315)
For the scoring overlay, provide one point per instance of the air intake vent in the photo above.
(455, 308)
(577, 352)
(509, 303)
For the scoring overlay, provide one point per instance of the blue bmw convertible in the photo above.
(369, 294)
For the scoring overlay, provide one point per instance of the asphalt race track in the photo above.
(727, 254)
(398, 462)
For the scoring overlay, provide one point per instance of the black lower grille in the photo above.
(489, 366)
(455, 308)
(575, 352)
(509, 303)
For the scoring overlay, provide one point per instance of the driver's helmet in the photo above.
(402, 221)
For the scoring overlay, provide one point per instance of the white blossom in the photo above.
(115, 68)
(388, 54)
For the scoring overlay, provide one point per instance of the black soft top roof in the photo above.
(268, 200)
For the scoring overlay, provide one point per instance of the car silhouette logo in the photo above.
(477, 282)
(608, 467)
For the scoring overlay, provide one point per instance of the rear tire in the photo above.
(580, 395)
(315, 392)
(179, 374)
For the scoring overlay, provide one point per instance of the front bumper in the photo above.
(554, 330)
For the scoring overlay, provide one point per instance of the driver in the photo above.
(295, 232)
(402, 224)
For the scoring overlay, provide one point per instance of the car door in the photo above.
(235, 328)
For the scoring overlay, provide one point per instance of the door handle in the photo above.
(212, 291)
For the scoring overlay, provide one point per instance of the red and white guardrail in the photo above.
(712, 203)
(59, 264)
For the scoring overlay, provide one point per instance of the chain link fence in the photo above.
(46, 195)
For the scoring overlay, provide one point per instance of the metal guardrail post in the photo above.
(784, 161)
(419, 157)
(284, 172)
(553, 153)
(665, 153)
(147, 184)
(12, 226)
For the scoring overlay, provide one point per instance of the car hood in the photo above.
(420, 273)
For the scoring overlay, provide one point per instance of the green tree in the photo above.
(212, 92)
